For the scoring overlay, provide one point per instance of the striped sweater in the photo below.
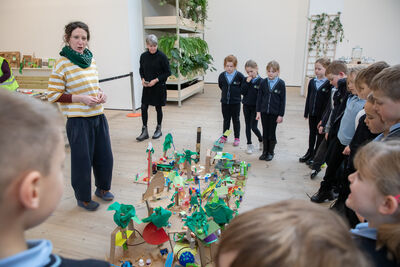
(68, 78)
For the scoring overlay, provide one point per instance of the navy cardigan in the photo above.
(272, 101)
(317, 99)
(230, 92)
(250, 91)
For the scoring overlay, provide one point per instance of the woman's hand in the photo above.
(258, 116)
(86, 99)
(279, 119)
(101, 97)
(152, 82)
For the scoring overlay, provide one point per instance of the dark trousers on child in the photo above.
(231, 112)
(335, 158)
(269, 126)
(90, 144)
(145, 115)
(249, 113)
(314, 135)
(320, 155)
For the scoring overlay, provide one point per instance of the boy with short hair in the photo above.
(386, 90)
(31, 179)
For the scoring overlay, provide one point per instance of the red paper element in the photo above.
(154, 236)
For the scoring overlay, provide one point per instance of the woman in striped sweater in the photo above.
(74, 84)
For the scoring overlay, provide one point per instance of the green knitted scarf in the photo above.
(82, 60)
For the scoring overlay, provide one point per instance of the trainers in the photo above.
(314, 173)
(250, 149)
(90, 206)
(103, 194)
(222, 139)
(236, 142)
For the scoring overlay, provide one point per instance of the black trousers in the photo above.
(251, 122)
(231, 112)
(320, 154)
(313, 134)
(269, 127)
(145, 115)
(334, 160)
(90, 144)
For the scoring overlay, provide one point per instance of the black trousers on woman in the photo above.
(90, 144)
(145, 115)
(314, 135)
(231, 112)
(251, 122)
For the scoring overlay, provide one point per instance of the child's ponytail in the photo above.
(389, 236)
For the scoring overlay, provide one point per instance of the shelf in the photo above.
(173, 95)
(171, 23)
(182, 80)
(48, 69)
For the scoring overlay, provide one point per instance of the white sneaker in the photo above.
(260, 146)
(250, 149)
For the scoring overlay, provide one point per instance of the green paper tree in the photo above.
(221, 213)
(123, 214)
(167, 142)
(159, 217)
(187, 157)
(197, 223)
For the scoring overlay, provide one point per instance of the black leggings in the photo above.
(145, 114)
(269, 127)
(231, 111)
(251, 122)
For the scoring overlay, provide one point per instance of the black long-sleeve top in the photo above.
(317, 99)
(5, 68)
(154, 66)
(250, 91)
(271, 101)
(230, 92)
(339, 101)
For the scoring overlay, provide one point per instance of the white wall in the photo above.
(371, 24)
(259, 30)
(37, 26)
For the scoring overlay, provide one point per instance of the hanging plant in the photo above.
(192, 57)
(195, 10)
(324, 32)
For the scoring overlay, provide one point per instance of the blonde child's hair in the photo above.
(371, 99)
(251, 64)
(380, 162)
(336, 67)
(230, 58)
(388, 82)
(274, 65)
(366, 75)
(354, 71)
(29, 134)
(290, 233)
(324, 62)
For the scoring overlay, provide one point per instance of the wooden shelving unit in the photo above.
(178, 25)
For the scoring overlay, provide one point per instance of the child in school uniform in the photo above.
(375, 196)
(288, 233)
(386, 91)
(250, 87)
(230, 82)
(31, 180)
(319, 91)
(271, 101)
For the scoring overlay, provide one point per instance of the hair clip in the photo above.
(397, 198)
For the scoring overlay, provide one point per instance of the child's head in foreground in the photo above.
(365, 76)
(386, 90)
(273, 69)
(288, 233)
(375, 190)
(31, 160)
(230, 63)
(335, 71)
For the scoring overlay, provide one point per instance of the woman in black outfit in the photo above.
(154, 71)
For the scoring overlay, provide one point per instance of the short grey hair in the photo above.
(151, 39)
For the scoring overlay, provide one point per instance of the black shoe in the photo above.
(157, 134)
(263, 156)
(90, 206)
(322, 195)
(144, 135)
(314, 173)
(306, 157)
(269, 157)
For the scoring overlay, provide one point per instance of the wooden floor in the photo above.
(80, 234)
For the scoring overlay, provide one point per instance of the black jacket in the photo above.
(378, 257)
(154, 66)
(250, 91)
(339, 102)
(271, 102)
(317, 99)
(230, 92)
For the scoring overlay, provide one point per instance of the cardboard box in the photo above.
(13, 58)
